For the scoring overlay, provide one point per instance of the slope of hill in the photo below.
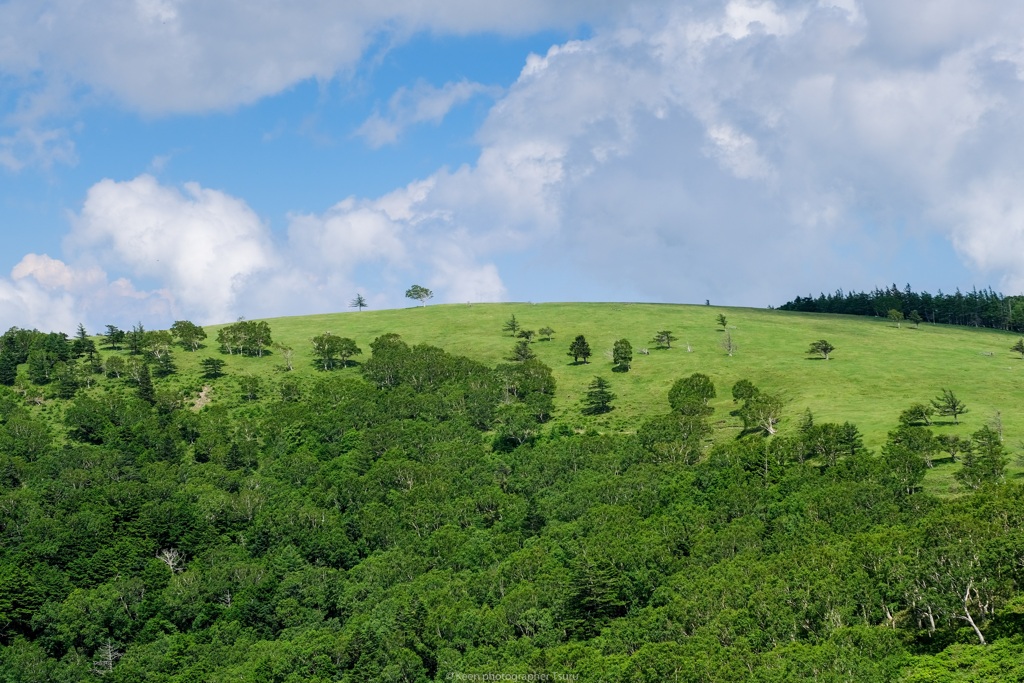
(877, 370)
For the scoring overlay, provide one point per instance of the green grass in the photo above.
(876, 371)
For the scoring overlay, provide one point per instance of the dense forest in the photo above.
(416, 517)
(984, 308)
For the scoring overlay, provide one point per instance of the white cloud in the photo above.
(740, 151)
(162, 56)
(423, 103)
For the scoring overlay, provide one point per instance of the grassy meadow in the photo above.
(876, 371)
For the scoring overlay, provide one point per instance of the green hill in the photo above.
(877, 370)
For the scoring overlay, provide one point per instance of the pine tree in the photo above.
(8, 368)
(599, 398)
(146, 391)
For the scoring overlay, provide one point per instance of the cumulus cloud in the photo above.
(738, 150)
(163, 56)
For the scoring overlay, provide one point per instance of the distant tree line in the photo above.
(977, 308)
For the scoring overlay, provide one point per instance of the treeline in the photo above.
(984, 308)
(423, 521)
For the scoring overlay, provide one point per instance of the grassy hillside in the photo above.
(876, 371)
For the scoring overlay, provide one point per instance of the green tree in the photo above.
(663, 339)
(984, 461)
(114, 337)
(418, 293)
(115, 366)
(145, 388)
(8, 368)
(358, 303)
(135, 340)
(622, 355)
(212, 367)
(948, 405)
(188, 334)
(821, 348)
(82, 345)
(917, 414)
(915, 318)
(723, 322)
(895, 316)
(346, 349)
(521, 351)
(743, 390)
(579, 349)
(762, 412)
(692, 395)
(511, 326)
(599, 397)
(528, 335)
(250, 387)
(1019, 347)
(546, 333)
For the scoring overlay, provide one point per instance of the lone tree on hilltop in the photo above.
(1019, 347)
(822, 348)
(949, 405)
(511, 326)
(722, 320)
(664, 339)
(418, 293)
(360, 302)
(579, 349)
(622, 355)
(896, 316)
(598, 399)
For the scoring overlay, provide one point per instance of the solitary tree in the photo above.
(622, 355)
(728, 345)
(598, 399)
(418, 293)
(212, 367)
(722, 321)
(522, 352)
(1019, 347)
(664, 339)
(822, 348)
(949, 405)
(579, 349)
(511, 326)
(896, 316)
(915, 318)
(359, 302)
(546, 333)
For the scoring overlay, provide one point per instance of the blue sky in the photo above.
(169, 159)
